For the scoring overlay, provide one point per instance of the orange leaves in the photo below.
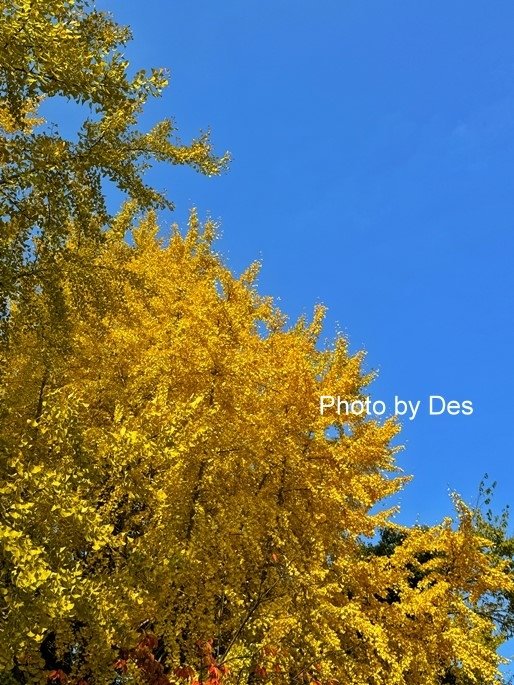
(120, 665)
(214, 674)
(210, 671)
(184, 672)
(144, 657)
(260, 671)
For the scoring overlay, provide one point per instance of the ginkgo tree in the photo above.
(51, 185)
(173, 509)
(173, 506)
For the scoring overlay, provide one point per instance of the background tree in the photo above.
(495, 528)
(51, 194)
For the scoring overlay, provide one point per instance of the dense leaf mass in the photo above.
(173, 507)
(173, 510)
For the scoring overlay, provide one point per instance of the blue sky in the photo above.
(373, 171)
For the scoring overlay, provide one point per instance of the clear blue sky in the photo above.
(373, 171)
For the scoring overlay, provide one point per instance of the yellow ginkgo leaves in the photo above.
(189, 519)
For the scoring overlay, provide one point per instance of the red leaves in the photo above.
(214, 673)
(59, 677)
(149, 642)
(143, 656)
(120, 665)
(205, 649)
(260, 671)
(185, 672)
(223, 669)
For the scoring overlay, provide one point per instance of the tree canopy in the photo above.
(173, 509)
(50, 186)
(173, 506)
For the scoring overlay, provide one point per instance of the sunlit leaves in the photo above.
(173, 506)
(52, 187)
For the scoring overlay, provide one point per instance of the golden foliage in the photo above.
(68, 50)
(173, 510)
